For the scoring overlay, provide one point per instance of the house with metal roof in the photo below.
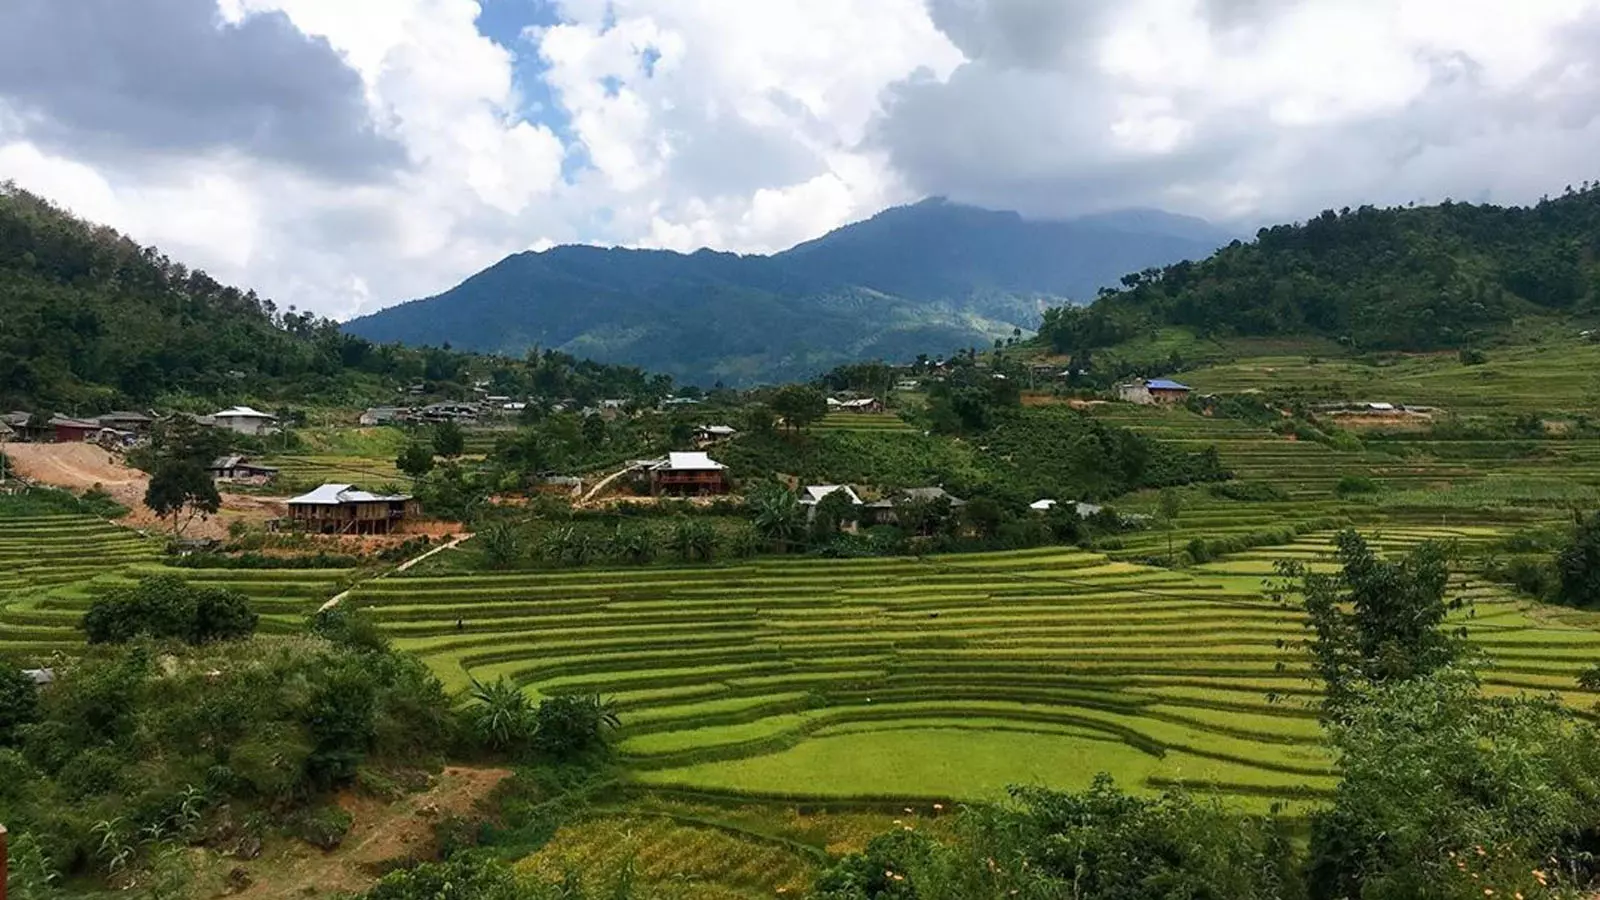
(244, 420)
(235, 469)
(1154, 390)
(688, 474)
(346, 509)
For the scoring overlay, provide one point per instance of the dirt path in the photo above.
(602, 485)
(80, 467)
(448, 545)
(381, 832)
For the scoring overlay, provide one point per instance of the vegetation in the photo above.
(164, 606)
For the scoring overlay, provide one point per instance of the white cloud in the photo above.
(754, 125)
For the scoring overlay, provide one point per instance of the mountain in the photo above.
(929, 278)
(1413, 278)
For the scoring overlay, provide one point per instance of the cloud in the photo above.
(106, 78)
(1241, 109)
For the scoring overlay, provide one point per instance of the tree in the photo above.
(1578, 564)
(502, 716)
(1375, 621)
(180, 486)
(449, 441)
(165, 606)
(476, 875)
(832, 513)
(984, 515)
(19, 702)
(570, 725)
(1446, 794)
(415, 459)
(694, 539)
(759, 418)
(501, 545)
(800, 406)
(777, 515)
(633, 543)
(1171, 506)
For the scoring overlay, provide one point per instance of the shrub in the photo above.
(19, 702)
(572, 725)
(1355, 485)
(165, 606)
(1471, 356)
(1251, 491)
(1578, 565)
(323, 827)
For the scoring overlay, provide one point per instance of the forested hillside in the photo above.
(90, 321)
(1388, 279)
(930, 278)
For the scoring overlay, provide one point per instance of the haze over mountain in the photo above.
(931, 277)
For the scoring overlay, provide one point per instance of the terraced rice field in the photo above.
(873, 422)
(936, 678)
(51, 567)
(305, 472)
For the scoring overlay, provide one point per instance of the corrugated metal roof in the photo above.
(242, 412)
(815, 492)
(335, 494)
(690, 462)
(1163, 384)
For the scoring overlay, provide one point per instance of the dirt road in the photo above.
(80, 467)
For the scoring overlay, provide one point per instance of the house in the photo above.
(72, 431)
(122, 420)
(813, 494)
(907, 384)
(6, 432)
(465, 413)
(344, 509)
(244, 420)
(240, 470)
(381, 415)
(882, 512)
(1083, 510)
(861, 405)
(1156, 390)
(684, 474)
(713, 434)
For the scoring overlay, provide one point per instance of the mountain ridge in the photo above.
(931, 277)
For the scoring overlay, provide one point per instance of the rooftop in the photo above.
(1165, 384)
(336, 494)
(815, 492)
(689, 462)
(242, 412)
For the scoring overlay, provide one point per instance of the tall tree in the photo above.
(181, 489)
(800, 406)
(1376, 621)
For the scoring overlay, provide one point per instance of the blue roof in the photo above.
(1162, 384)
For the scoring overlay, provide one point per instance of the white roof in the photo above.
(864, 401)
(1042, 504)
(1381, 407)
(718, 429)
(815, 492)
(690, 462)
(242, 412)
(335, 494)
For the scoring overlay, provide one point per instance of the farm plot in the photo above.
(51, 568)
(873, 422)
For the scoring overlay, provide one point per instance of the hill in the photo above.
(1416, 278)
(932, 277)
(90, 321)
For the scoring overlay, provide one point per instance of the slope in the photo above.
(926, 278)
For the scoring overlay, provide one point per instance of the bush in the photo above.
(165, 606)
(19, 702)
(323, 827)
(1578, 565)
(570, 726)
(1252, 491)
(1471, 356)
(1355, 485)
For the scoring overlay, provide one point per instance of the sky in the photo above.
(344, 155)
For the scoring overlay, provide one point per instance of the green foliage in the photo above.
(501, 545)
(572, 725)
(448, 440)
(1448, 794)
(19, 702)
(179, 486)
(502, 716)
(1376, 621)
(1356, 486)
(464, 876)
(1578, 565)
(1415, 278)
(777, 515)
(44, 501)
(415, 459)
(1248, 491)
(800, 406)
(165, 606)
(323, 827)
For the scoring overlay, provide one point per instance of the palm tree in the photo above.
(777, 515)
(503, 717)
(556, 542)
(633, 544)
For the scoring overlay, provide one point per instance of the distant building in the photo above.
(713, 434)
(860, 405)
(244, 420)
(240, 470)
(381, 415)
(814, 493)
(72, 431)
(688, 474)
(1156, 390)
(344, 509)
(122, 420)
(461, 413)
(882, 512)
